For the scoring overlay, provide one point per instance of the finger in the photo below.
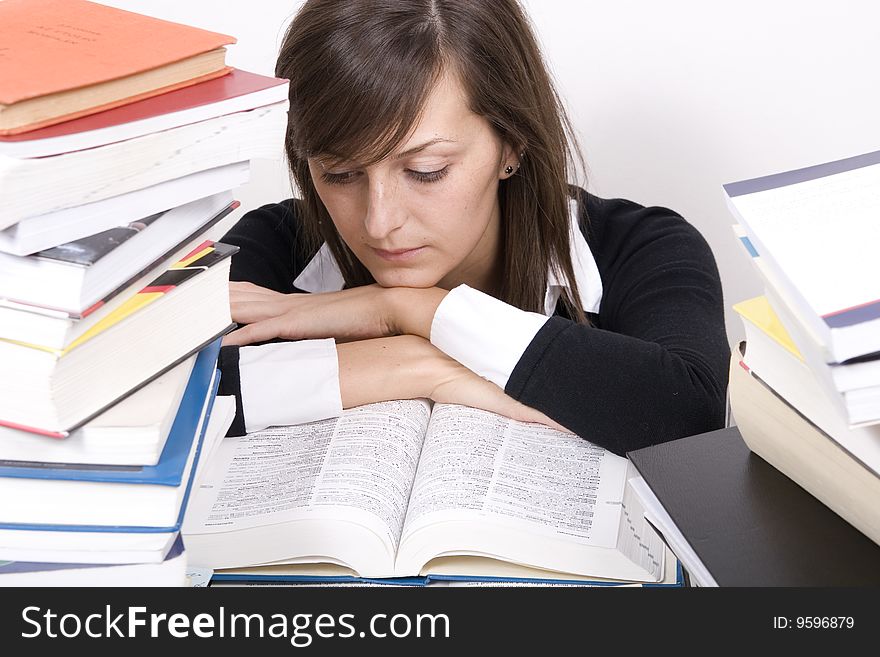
(238, 288)
(237, 303)
(533, 416)
(256, 332)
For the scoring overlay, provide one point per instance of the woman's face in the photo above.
(428, 214)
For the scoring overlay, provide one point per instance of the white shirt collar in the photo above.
(322, 274)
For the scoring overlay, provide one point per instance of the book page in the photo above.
(371, 463)
(357, 468)
(478, 465)
(637, 538)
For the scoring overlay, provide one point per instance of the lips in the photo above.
(398, 255)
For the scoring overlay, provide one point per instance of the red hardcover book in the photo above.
(236, 92)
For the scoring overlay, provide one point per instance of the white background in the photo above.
(670, 99)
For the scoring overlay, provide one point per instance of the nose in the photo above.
(384, 210)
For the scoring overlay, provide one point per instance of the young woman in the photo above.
(438, 250)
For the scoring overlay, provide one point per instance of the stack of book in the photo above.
(121, 140)
(805, 386)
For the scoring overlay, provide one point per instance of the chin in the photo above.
(405, 279)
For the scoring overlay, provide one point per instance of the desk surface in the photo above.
(750, 524)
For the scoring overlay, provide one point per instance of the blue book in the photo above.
(675, 578)
(82, 508)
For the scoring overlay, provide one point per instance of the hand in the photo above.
(356, 314)
(410, 367)
(461, 386)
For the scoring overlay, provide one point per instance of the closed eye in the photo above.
(428, 176)
(338, 178)
(346, 177)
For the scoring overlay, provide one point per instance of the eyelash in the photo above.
(429, 176)
(418, 176)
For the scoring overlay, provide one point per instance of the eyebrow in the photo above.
(421, 147)
(329, 159)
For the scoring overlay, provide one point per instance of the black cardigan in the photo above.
(652, 366)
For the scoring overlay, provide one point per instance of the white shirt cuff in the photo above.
(483, 333)
(289, 383)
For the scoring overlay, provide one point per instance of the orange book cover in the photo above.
(55, 120)
(49, 46)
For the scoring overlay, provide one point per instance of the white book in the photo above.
(74, 276)
(133, 432)
(98, 173)
(238, 91)
(44, 231)
(817, 229)
(171, 571)
(791, 378)
(858, 406)
(54, 392)
(840, 470)
(387, 488)
(53, 329)
(116, 545)
(854, 386)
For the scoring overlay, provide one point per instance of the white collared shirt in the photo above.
(486, 335)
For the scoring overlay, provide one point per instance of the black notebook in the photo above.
(749, 524)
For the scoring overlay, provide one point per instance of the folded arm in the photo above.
(296, 382)
(651, 367)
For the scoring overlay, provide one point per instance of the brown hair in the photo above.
(360, 71)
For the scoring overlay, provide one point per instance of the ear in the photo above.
(510, 160)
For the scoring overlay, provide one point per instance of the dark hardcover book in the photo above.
(749, 524)
(87, 251)
(96, 268)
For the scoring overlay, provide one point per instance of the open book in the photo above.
(401, 489)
